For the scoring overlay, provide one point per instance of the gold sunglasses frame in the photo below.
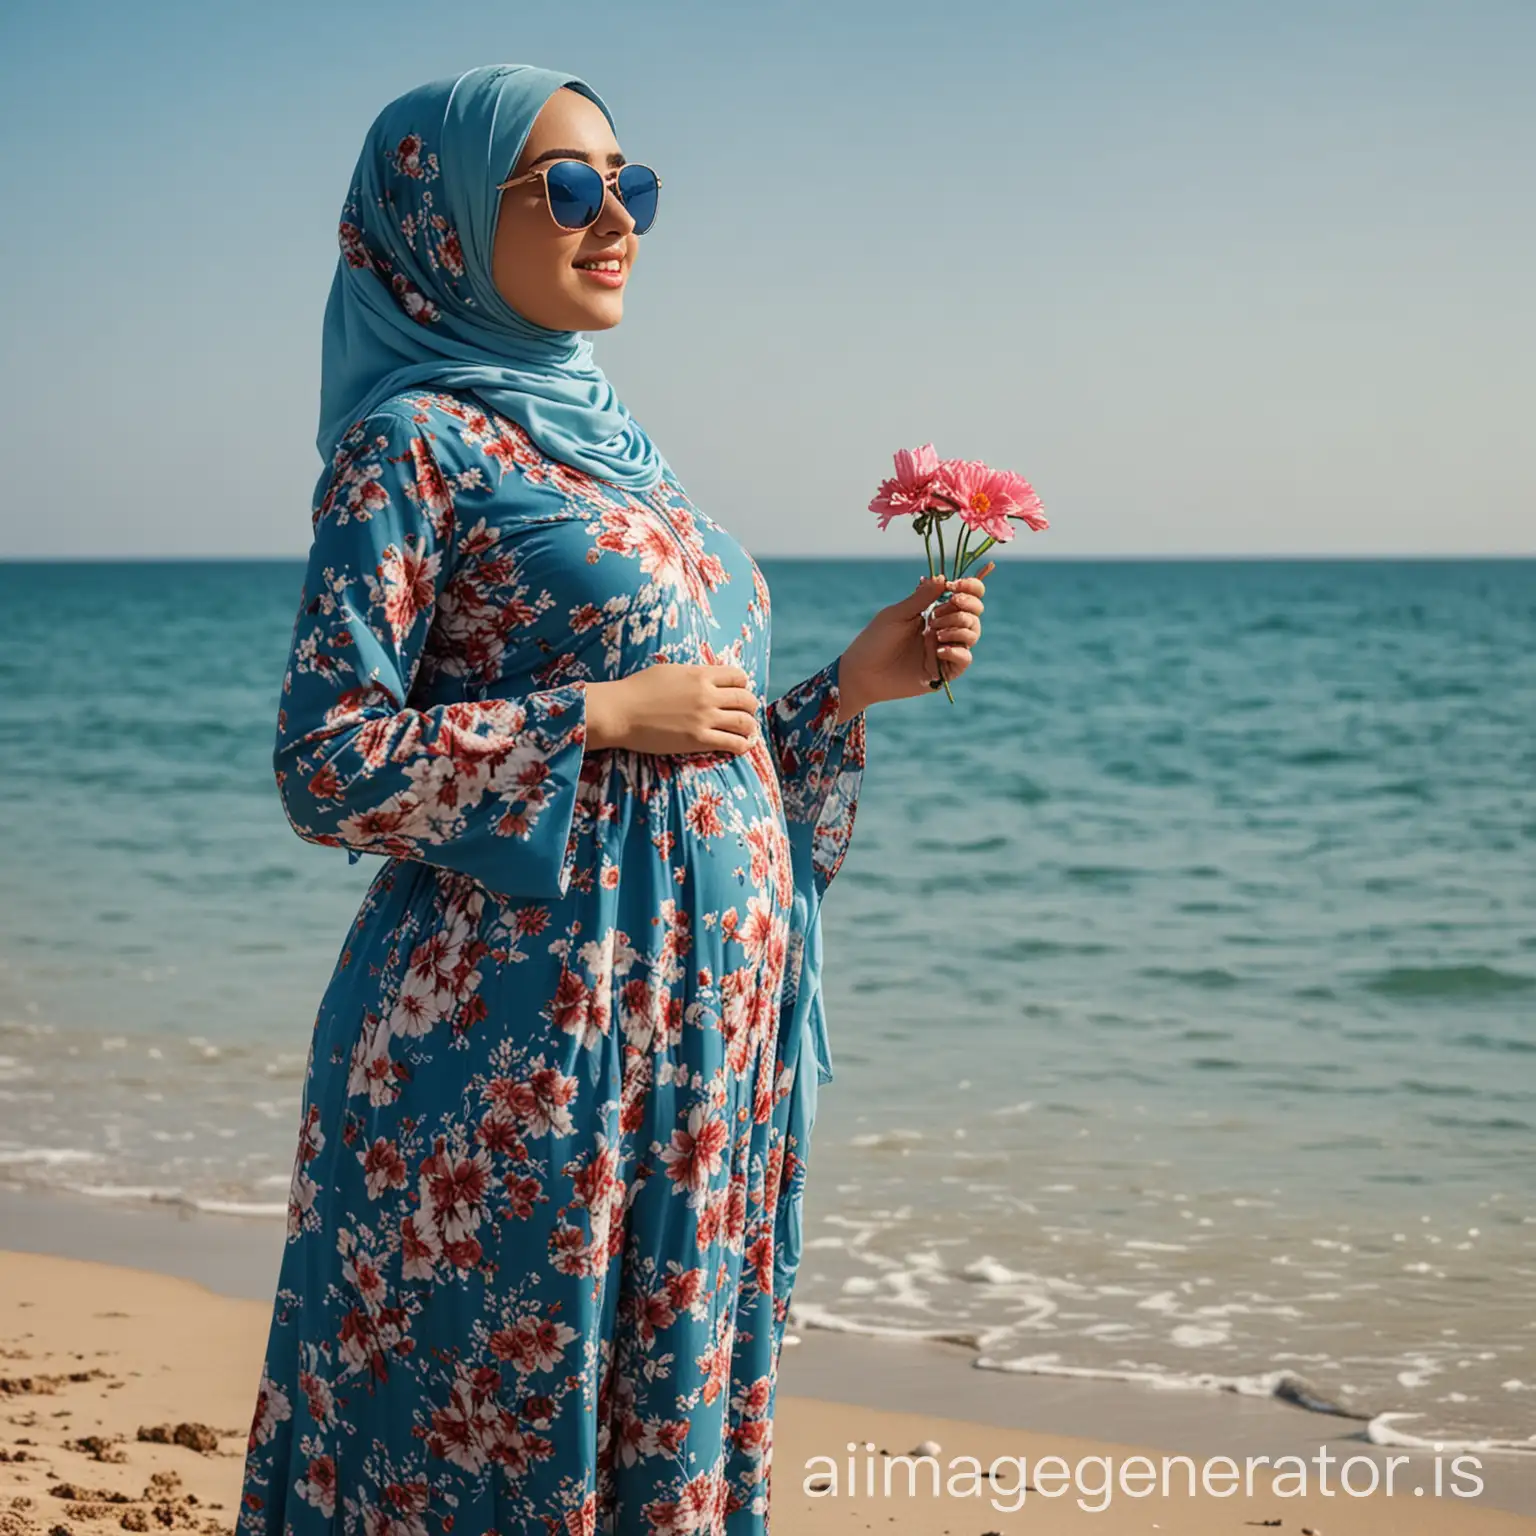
(610, 181)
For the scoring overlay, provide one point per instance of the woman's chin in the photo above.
(597, 306)
(603, 316)
(571, 311)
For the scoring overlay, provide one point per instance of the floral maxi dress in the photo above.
(545, 1212)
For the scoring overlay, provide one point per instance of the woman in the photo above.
(545, 1212)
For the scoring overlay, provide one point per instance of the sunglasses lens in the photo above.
(576, 193)
(639, 192)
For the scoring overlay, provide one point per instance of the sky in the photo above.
(1219, 277)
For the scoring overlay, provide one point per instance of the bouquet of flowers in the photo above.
(985, 502)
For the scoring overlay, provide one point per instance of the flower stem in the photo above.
(929, 548)
(977, 553)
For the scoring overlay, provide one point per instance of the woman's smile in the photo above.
(607, 266)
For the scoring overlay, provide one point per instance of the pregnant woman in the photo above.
(545, 1213)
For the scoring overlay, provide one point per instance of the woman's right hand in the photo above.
(674, 707)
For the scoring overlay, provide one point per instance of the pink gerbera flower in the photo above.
(986, 498)
(1024, 503)
(906, 493)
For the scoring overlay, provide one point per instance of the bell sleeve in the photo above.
(486, 787)
(821, 770)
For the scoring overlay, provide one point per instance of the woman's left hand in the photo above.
(896, 654)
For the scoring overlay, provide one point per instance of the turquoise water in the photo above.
(1182, 976)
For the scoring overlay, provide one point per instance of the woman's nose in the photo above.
(615, 218)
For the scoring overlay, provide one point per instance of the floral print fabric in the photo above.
(545, 1212)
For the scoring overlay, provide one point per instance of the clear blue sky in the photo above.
(1219, 276)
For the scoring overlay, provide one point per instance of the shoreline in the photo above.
(832, 1387)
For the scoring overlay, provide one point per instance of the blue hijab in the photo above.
(413, 303)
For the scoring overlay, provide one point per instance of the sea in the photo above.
(1181, 974)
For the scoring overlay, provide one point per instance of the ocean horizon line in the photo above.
(1142, 558)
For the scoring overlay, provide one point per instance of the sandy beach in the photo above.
(125, 1397)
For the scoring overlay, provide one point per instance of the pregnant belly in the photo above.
(732, 818)
(688, 914)
(738, 887)
(710, 825)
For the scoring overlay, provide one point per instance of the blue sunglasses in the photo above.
(576, 191)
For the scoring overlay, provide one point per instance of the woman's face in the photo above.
(533, 260)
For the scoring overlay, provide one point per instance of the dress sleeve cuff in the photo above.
(821, 768)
